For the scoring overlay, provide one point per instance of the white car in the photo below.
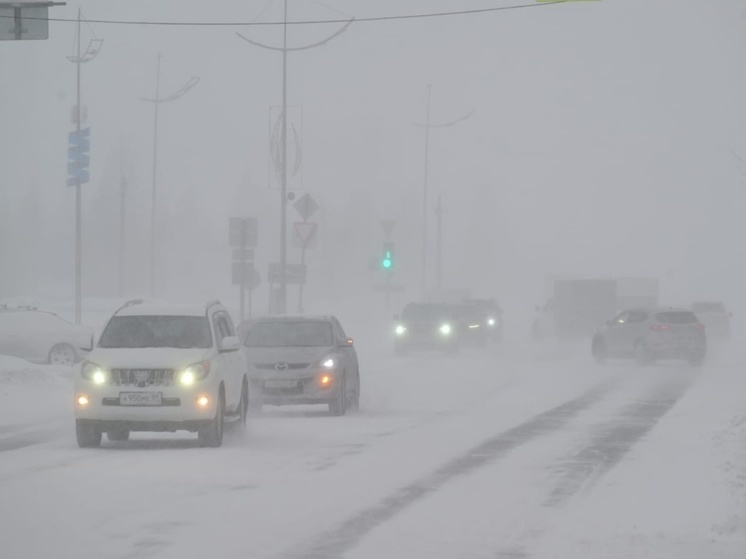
(42, 337)
(162, 368)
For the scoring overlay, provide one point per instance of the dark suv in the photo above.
(481, 321)
(427, 326)
(650, 334)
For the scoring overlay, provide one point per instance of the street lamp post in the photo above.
(157, 100)
(427, 126)
(284, 141)
(78, 59)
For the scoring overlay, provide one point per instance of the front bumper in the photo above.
(306, 391)
(179, 405)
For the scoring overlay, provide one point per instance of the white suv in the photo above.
(162, 368)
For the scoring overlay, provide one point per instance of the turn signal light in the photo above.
(82, 400)
(325, 380)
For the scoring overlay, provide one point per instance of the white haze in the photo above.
(602, 144)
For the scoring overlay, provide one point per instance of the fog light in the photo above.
(325, 380)
(82, 400)
(203, 401)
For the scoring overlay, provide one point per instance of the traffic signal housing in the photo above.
(387, 256)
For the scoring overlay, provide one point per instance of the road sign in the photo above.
(305, 235)
(242, 255)
(78, 159)
(19, 22)
(306, 206)
(295, 274)
(249, 227)
(388, 226)
(251, 276)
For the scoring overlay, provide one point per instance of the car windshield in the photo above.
(287, 333)
(426, 312)
(157, 331)
(708, 307)
(676, 317)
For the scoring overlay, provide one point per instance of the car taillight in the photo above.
(660, 327)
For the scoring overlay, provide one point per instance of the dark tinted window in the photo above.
(288, 333)
(636, 317)
(157, 331)
(427, 312)
(676, 317)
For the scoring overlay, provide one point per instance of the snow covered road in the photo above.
(513, 453)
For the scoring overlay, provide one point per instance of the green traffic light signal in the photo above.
(386, 262)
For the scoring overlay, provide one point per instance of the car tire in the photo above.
(118, 435)
(62, 354)
(87, 433)
(338, 406)
(354, 401)
(243, 407)
(212, 434)
(598, 350)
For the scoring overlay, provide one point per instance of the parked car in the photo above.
(302, 360)
(162, 368)
(428, 326)
(715, 317)
(42, 337)
(650, 334)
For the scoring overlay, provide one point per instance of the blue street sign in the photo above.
(78, 159)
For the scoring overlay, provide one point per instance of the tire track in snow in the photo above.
(607, 445)
(335, 543)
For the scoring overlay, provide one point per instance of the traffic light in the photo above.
(387, 257)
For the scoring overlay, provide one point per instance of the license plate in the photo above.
(140, 398)
(280, 383)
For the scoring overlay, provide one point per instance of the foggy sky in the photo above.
(601, 145)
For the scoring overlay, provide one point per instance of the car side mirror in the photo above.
(230, 343)
(349, 342)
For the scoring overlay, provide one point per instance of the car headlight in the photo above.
(93, 372)
(193, 373)
(491, 321)
(400, 330)
(445, 329)
(328, 363)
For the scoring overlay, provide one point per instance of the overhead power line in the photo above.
(306, 22)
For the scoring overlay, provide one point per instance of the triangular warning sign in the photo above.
(304, 235)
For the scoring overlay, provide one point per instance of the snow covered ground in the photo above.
(515, 452)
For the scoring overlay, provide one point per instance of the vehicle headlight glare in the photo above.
(445, 329)
(328, 364)
(99, 377)
(93, 372)
(401, 330)
(491, 321)
(188, 377)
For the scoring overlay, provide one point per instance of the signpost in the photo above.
(305, 235)
(25, 20)
(242, 236)
(295, 274)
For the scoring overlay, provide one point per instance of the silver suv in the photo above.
(650, 334)
(162, 368)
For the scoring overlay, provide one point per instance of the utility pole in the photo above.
(78, 59)
(427, 126)
(157, 100)
(122, 231)
(282, 303)
(439, 244)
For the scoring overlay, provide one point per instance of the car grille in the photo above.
(290, 366)
(142, 377)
